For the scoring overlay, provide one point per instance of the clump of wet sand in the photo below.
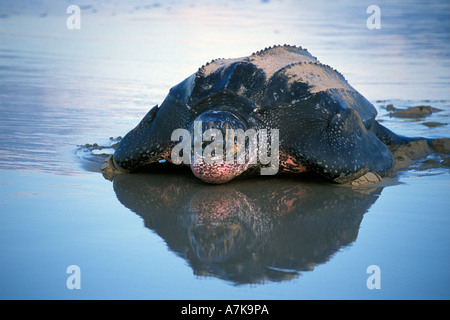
(422, 155)
(415, 112)
(434, 124)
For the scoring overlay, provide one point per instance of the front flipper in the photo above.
(331, 139)
(150, 141)
(390, 138)
(129, 153)
(141, 146)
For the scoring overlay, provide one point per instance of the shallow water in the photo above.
(167, 236)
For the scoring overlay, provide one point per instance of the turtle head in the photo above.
(215, 147)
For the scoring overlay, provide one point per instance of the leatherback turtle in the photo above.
(322, 124)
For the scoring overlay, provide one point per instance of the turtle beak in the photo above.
(213, 155)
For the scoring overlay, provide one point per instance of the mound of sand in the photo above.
(430, 155)
(411, 112)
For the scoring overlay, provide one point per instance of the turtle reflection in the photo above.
(247, 231)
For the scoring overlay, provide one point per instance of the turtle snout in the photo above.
(220, 120)
(214, 147)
